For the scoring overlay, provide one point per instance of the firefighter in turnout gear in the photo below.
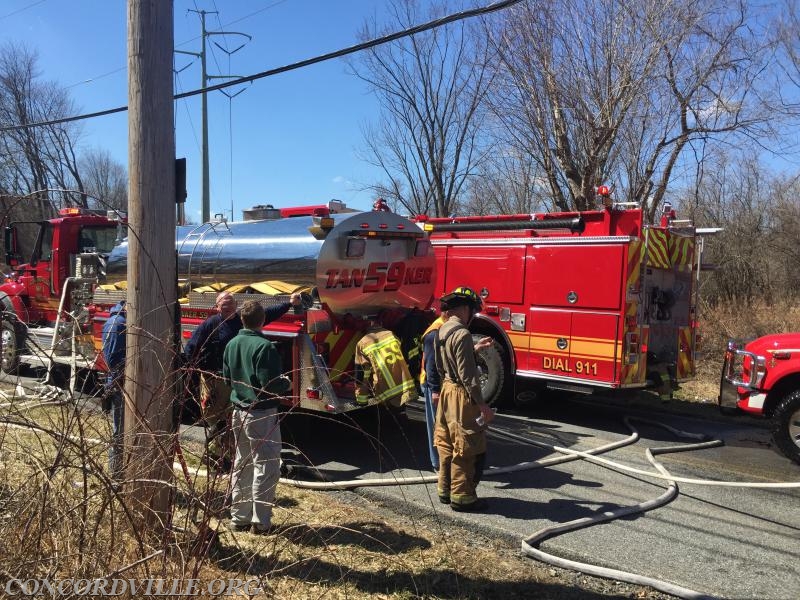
(458, 437)
(381, 370)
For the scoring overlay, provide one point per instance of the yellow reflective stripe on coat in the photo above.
(389, 376)
(386, 353)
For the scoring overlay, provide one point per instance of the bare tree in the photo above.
(625, 93)
(430, 87)
(36, 159)
(507, 183)
(105, 180)
(756, 252)
(787, 27)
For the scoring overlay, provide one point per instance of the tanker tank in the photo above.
(359, 263)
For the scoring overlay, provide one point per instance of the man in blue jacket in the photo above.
(113, 338)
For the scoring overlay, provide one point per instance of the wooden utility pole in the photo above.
(152, 291)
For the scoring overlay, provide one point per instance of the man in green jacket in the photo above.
(252, 367)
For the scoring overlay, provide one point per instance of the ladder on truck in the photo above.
(200, 251)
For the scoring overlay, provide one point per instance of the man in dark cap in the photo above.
(462, 414)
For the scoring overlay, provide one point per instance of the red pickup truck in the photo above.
(762, 377)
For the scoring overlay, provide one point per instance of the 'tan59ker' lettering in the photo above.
(378, 277)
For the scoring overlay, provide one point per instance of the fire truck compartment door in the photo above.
(500, 270)
(574, 344)
(581, 276)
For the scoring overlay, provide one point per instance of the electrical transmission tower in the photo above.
(204, 79)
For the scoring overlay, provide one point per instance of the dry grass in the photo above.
(718, 325)
(61, 518)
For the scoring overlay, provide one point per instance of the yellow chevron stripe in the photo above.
(594, 340)
(682, 252)
(658, 249)
(345, 356)
(636, 373)
(685, 364)
(635, 254)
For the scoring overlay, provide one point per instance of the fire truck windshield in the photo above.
(97, 239)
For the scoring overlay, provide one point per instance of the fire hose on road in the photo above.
(530, 544)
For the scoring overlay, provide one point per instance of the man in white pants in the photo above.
(252, 367)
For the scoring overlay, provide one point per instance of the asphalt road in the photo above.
(725, 542)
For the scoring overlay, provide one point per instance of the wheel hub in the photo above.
(9, 348)
(794, 427)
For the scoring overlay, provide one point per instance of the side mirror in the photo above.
(11, 246)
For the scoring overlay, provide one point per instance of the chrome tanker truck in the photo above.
(350, 267)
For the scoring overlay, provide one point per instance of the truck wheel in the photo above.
(9, 359)
(786, 428)
(492, 372)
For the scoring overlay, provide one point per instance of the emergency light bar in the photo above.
(386, 235)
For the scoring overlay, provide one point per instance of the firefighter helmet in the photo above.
(462, 296)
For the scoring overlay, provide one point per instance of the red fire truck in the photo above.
(356, 263)
(583, 302)
(761, 377)
(47, 296)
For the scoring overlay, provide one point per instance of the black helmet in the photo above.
(461, 296)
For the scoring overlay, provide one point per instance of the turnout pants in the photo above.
(461, 443)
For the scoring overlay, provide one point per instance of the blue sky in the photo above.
(285, 140)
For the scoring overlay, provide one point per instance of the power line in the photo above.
(178, 45)
(474, 12)
(93, 79)
(229, 23)
(24, 8)
(252, 14)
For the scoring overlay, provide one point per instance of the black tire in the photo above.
(9, 349)
(492, 372)
(786, 426)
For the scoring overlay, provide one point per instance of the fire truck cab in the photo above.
(761, 377)
(55, 272)
(580, 301)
